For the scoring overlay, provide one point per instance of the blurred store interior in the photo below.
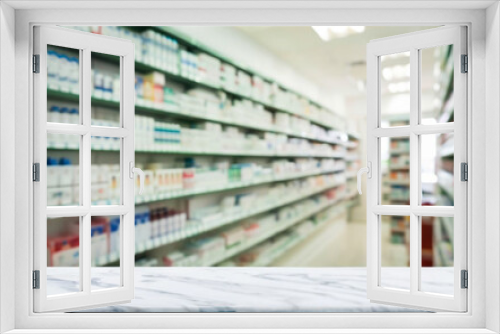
(250, 138)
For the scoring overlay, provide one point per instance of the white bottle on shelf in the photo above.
(74, 116)
(52, 70)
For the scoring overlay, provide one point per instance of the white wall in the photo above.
(6, 167)
(236, 45)
(492, 162)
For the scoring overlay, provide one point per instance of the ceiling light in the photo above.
(400, 87)
(327, 33)
(387, 73)
(396, 72)
(323, 32)
(358, 29)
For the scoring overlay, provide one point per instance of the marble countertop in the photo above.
(247, 289)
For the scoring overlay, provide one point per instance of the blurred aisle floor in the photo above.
(341, 244)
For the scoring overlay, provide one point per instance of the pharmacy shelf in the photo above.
(447, 223)
(353, 135)
(398, 182)
(352, 202)
(266, 153)
(445, 254)
(447, 81)
(351, 157)
(399, 199)
(350, 174)
(195, 229)
(448, 148)
(176, 77)
(247, 244)
(351, 195)
(140, 199)
(181, 79)
(445, 182)
(193, 43)
(400, 151)
(156, 108)
(399, 167)
(447, 110)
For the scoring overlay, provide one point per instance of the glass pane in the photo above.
(437, 162)
(63, 172)
(395, 168)
(105, 252)
(63, 255)
(106, 91)
(395, 89)
(105, 171)
(437, 274)
(395, 252)
(436, 99)
(63, 85)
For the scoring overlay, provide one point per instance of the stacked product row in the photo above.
(353, 164)
(266, 252)
(190, 176)
(155, 223)
(215, 247)
(154, 135)
(159, 227)
(63, 177)
(199, 102)
(163, 52)
(63, 245)
(63, 183)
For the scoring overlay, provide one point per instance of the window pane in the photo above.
(105, 252)
(436, 99)
(395, 168)
(63, 255)
(106, 90)
(395, 250)
(63, 172)
(63, 85)
(437, 163)
(395, 89)
(105, 171)
(437, 274)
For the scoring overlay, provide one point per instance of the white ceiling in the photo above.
(338, 64)
(242, 4)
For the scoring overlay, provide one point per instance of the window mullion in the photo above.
(85, 169)
(414, 169)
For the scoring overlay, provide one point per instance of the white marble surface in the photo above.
(249, 289)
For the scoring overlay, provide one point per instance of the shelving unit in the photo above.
(266, 253)
(397, 180)
(437, 232)
(442, 229)
(324, 132)
(353, 164)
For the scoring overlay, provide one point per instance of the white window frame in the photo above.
(483, 49)
(414, 43)
(86, 44)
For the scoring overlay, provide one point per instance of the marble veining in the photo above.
(249, 289)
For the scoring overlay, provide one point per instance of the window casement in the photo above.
(80, 135)
(413, 128)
